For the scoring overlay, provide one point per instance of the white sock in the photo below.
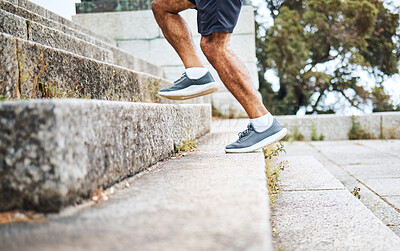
(262, 123)
(196, 72)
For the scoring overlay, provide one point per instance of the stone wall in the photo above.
(384, 125)
(138, 33)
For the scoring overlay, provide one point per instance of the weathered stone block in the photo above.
(58, 20)
(8, 67)
(13, 25)
(12, 1)
(56, 151)
(57, 39)
(31, 16)
(44, 69)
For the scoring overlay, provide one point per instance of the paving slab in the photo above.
(384, 187)
(384, 211)
(388, 146)
(388, 168)
(329, 220)
(352, 170)
(207, 200)
(307, 174)
(395, 201)
(322, 216)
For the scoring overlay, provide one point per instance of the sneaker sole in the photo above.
(193, 91)
(265, 142)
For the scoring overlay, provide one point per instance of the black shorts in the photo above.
(217, 15)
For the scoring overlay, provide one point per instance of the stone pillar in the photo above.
(132, 25)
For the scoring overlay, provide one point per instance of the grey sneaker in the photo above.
(250, 140)
(186, 88)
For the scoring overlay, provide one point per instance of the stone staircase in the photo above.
(26, 20)
(110, 125)
(206, 200)
(87, 135)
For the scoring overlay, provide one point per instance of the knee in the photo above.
(156, 6)
(214, 47)
(209, 48)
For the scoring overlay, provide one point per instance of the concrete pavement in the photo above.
(314, 211)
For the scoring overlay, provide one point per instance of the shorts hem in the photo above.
(214, 30)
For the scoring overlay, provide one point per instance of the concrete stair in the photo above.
(55, 152)
(206, 200)
(29, 21)
(29, 67)
(314, 211)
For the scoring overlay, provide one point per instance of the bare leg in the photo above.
(175, 29)
(232, 72)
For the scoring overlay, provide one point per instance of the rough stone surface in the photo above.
(68, 74)
(8, 68)
(12, 24)
(40, 11)
(53, 152)
(207, 200)
(56, 39)
(33, 31)
(43, 21)
(33, 70)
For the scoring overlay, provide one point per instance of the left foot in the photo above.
(186, 88)
(251, 140)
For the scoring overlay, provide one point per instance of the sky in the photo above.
(66, 8)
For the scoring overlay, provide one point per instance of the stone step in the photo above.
(314, 211)
(54, 152)
(66, 27)
(50, 19)
(32, 70)
(18, 27)
(206, 200)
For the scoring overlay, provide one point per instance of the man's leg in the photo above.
(197, 80)
(175, 29)
(263, 129)
(232, 72)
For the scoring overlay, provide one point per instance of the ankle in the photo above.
(196, 72)
(262, 123)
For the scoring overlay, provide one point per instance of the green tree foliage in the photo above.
(315, 46)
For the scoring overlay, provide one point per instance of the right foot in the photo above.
(186, 88)
(251, 140)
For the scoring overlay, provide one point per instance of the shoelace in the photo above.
(180, 79)
(245, 132)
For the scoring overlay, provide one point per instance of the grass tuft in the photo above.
(274, 169)
(357, 132)
(188, 145)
